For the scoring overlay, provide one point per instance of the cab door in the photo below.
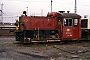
(76, 29)
(67, 28)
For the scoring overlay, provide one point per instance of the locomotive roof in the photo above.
(70, 15)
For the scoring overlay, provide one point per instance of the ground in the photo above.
(13, 50)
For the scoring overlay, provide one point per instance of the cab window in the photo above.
(75, 22)
(67, 22)
(59, 21)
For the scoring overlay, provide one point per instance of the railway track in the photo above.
(5, 31)
(43, 50)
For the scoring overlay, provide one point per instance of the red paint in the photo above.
(39, 22)
(67, 33)
(75, 32)
(72, 32)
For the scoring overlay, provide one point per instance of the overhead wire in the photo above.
(49, 2)
(68, 4)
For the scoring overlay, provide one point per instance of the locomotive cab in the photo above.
(70, 27)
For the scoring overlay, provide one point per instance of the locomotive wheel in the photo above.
(27, 40)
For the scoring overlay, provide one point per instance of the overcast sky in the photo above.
(14, 8)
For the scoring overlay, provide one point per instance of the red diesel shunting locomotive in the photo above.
(55, 26)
